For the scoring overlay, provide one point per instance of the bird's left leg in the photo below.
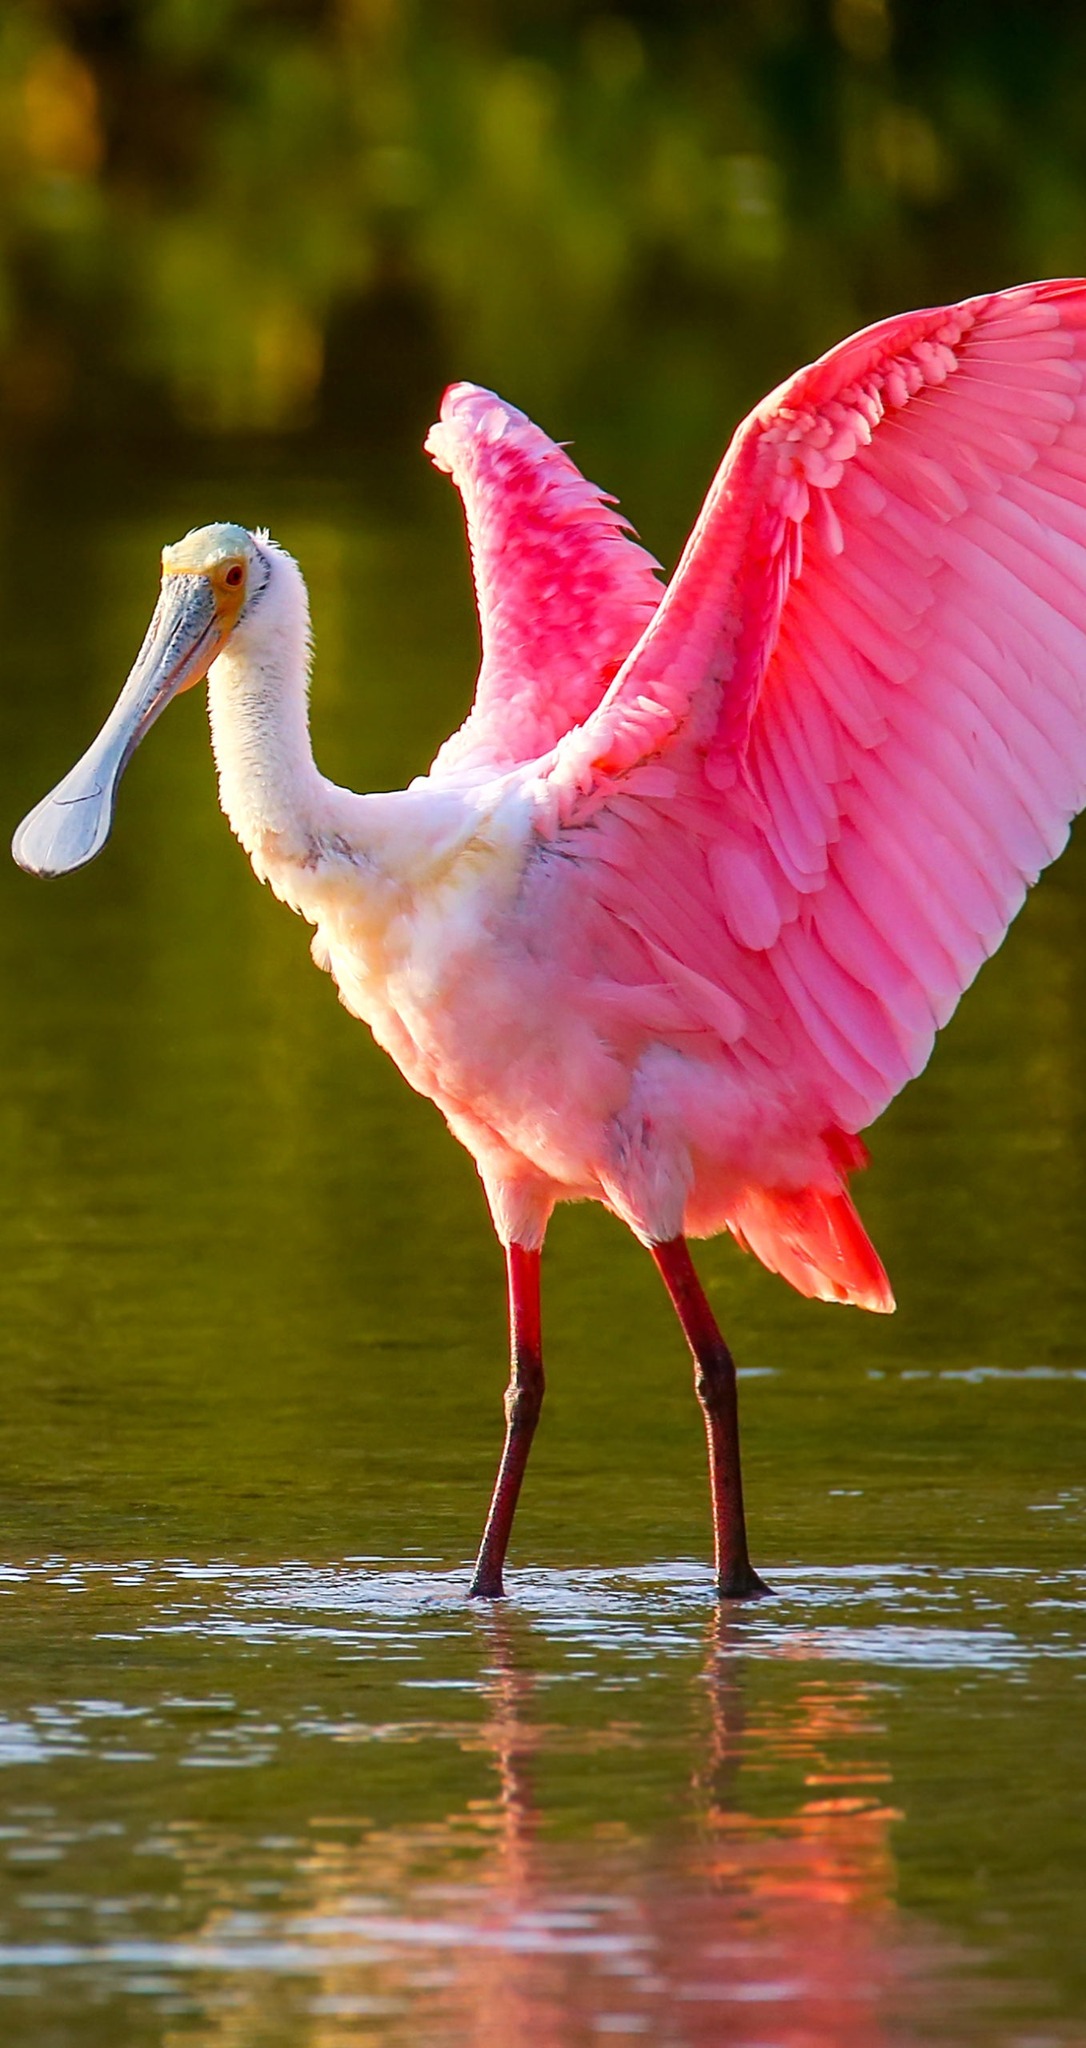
(523, 1401)
(715, 1385)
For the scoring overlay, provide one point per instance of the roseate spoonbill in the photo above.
(682, 904)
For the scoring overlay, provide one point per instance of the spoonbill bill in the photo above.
(682, 904)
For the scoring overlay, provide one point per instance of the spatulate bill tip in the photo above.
(62, 834)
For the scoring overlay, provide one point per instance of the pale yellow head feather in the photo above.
(224, 555)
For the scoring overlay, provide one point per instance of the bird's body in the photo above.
(509, 988)
(682, 905)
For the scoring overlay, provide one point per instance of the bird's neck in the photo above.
(258, 688)
(290, 819)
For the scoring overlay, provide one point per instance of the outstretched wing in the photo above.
(563, 591)
(855, 730)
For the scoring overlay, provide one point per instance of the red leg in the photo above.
(523, 1401)
(714, 1383)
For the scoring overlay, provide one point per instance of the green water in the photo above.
(265, 1776)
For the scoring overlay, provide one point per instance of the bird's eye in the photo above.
(234, 575)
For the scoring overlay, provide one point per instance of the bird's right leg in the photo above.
(523, 1401)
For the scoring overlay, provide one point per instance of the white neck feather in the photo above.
(258, 693)
(288, 817)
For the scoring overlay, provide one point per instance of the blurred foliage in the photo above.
(265, 216)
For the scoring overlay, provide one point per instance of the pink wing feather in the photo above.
(855, 730)
(563, 591)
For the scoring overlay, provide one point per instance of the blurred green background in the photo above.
(258, 220)
(243, 247)
(251, 1309)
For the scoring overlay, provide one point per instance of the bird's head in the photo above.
(212, 581)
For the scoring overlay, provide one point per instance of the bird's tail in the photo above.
(815, 1240)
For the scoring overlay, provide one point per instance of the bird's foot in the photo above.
(741, 1582)
(487, 1584)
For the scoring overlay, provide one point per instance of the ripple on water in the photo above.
(657, 1611)
(890, 1616)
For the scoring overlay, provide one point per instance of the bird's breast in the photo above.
(406, 949)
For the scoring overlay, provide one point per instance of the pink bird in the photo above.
(682, 905)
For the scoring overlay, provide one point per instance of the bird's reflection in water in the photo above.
(751, 1902)
(800, 1902)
